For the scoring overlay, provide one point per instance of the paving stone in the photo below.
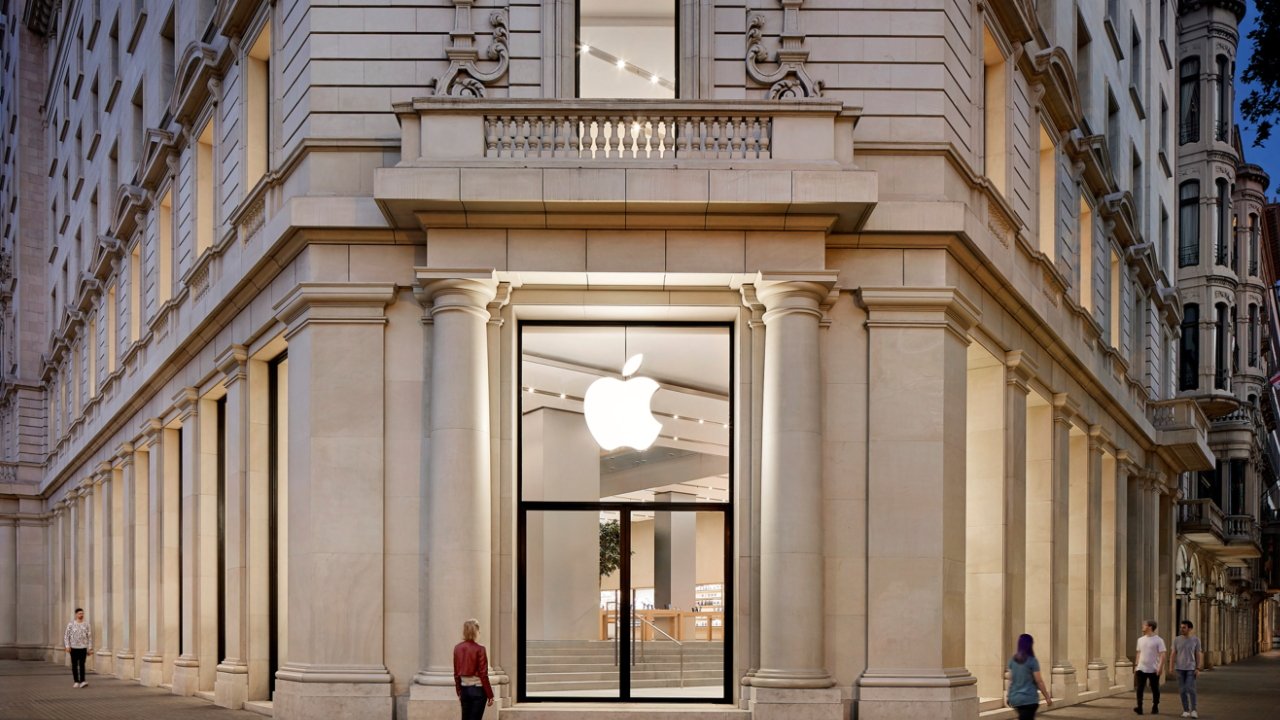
(1247, 690)
(35, 690)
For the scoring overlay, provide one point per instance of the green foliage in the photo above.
(1262, 105)
(610, 547)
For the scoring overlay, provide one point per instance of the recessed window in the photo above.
(135, 293)
(257, 133)
(627, 49)
(1189, 101)
(1189, 223)
(1086, 255)
(204, 189)
(164, 249)
(1048, 195)
(994, 81)
(1189, 348)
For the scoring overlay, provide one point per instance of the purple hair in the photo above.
(1025, 642)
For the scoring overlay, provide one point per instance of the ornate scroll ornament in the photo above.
(464, 78)
(789, 79)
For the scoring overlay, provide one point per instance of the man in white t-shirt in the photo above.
(1148, 665)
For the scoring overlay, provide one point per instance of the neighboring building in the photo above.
(308, 300)
(1226, 353)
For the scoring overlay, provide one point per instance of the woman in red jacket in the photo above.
(471, 672)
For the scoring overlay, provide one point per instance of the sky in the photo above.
(1268, 156)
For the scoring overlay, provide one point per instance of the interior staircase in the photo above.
(567, 667)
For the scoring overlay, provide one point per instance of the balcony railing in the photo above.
(1221, 256)
(1220, 130)
(1188, 257)
(1253, 267)
(1243, 575)
(1200, 515)
(1182, 427)
(1189, 132)
(1221, 380)
(1242, 529)
(631, 130)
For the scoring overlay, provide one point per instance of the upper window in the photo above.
(627, 49)
(1189, 101)
(1189, 223)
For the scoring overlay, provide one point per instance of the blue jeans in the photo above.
(1187, 691)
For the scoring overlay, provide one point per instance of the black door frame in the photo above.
(624, 510)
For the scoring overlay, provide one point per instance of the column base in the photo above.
(1063, 683)
(433, 702)
(152, 672)
(231, 686)
(775, 703)
(31, 652)
(124, 665)
(186, 676)
(949, 694)
(1124, 673)
(1099, 676)
(337, 692)
(101, 662)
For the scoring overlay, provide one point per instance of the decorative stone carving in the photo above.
(999, 223)
(253, 220)
(789, 79)
(464, 78)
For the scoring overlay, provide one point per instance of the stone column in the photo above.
(1099, 667)
(138, 500)
(34, 581)
(8, 588)
(149, 468)
(457, 505)
(1120, 634)
(1165, 555)
(1063, 683)
(231, 688)
(197, 600)
(166, 476)
(336, 505)
(101, 545)
(123, 533)
(57, 590)
(917, 374)
(792, 676)
(1019, 372)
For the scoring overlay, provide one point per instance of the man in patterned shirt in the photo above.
(78, 641)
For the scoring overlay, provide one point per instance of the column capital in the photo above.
(149, 433)
(1099, 439)
(942, 307)
(781, 293)
(1065, 410)
(187, 400)
(473, 290)
(103, 472)
(124, 454)
(340, 303)
(1020, 370)
(233, 363)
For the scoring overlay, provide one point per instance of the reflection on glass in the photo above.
(568, 649)
(677, 580)
(626, 49)
(560, 456)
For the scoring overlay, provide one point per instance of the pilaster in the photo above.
(1020, 370)
(336, 502)
(1063, 683)
(151, 455)
(197, 599)
(231, 686)
(1098, 667)
(917, 375)
(122, 564)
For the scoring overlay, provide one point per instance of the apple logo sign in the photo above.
(617, 411)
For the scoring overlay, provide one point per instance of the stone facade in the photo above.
(271, 280)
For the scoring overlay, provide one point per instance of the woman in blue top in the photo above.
(1024, 678)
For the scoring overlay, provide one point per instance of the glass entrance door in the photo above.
(625, 513)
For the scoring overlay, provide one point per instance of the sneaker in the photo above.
(1138, 709)
(1195, 714)
(75, 684)
(84, 684)
(1185, 714)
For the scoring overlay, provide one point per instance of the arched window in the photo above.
(1189, 348)
(1189, 101)
(1189, 223)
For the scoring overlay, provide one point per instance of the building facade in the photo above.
(1226, 282)
(841, 343)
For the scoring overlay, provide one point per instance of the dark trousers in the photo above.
(77, 663)
(1141, 679)
(473, 702)
(1027, 712)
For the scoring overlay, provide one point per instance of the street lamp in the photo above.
(1185, 583)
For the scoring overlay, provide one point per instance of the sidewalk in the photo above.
(34, 690)
(1247, 690)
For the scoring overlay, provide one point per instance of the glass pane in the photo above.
(660, 432)
(571, 648)
(626, 49)
(678, 621)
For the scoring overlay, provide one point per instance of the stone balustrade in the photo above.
(644, 131)
(1184, 429)
(1199, 515)
(1242, 529)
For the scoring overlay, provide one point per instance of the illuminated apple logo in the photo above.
(617, 411)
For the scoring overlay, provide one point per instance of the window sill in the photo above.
(1135, 95)
(1109, 24)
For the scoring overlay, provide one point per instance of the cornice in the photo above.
(196, 68)
(1235, 7)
